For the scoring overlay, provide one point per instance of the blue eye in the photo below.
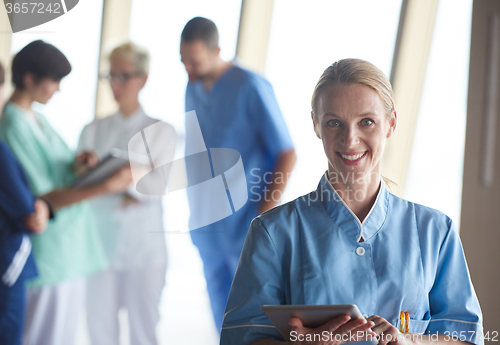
(366, 122)
(333, 123)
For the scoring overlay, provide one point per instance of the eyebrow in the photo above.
(368, 113)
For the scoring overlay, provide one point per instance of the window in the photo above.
(436, 166)
(157, 25)
(305, 39)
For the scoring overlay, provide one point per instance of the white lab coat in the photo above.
(132, 236)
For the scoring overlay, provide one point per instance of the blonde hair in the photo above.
(355, 71)
(132, 52)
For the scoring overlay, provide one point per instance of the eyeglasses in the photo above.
(121, 78)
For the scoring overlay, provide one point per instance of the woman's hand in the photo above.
(337, 331)
(386, 332)
(37, 222)
(119, 181)
(84, 161)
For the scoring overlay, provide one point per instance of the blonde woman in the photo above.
(130, 224)
(351, 241)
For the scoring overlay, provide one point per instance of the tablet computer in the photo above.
(113, 162)
(312, 316)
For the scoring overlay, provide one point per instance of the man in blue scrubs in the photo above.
(236, 109)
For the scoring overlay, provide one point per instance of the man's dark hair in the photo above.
(203, 29)
(41, 59)
(2, 74)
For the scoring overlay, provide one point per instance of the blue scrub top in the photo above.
(16, 203)
(307, 252)
(239, 112)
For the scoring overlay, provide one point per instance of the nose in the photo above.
(114, 82)
(350, 137)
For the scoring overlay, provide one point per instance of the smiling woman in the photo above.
(351, 241)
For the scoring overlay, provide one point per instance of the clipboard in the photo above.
(312, 316)
(113, 162)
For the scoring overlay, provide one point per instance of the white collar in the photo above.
(132, 119)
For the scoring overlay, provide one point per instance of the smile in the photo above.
(353, 157)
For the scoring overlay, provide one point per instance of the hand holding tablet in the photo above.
(106, 168)
(327, 320)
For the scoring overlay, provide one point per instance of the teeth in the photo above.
(353, 158)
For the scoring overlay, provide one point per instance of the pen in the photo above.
(407, 328)
(402, 322)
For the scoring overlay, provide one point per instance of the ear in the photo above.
(315, 126)
(28, 80)
(392, 123)
(144, 79)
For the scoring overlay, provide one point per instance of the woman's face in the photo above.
(353, 125)
(126, 83)
(44, 90)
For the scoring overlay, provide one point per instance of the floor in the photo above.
(185, 315)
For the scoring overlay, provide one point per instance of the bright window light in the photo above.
(307, 37)
(436, 165)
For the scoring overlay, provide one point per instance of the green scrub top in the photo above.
(70, 247)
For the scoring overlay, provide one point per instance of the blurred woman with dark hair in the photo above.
(69, 249)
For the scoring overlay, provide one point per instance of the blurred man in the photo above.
(236, 109)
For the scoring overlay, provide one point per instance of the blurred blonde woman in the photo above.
(130, 224)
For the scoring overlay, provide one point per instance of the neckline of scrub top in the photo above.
(132, 119)
(217, 81)
(35, 121)
(31, 115)
(345, 219)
